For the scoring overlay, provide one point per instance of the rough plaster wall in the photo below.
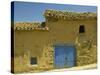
(36, 44)
(70, 29)
(39, 43)
(68, 32)
(86, 53)
(30, 41)
(47, 57)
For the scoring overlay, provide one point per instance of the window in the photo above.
(43, 25)
(81, 29)
(33, 61)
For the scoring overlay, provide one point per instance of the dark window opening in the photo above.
(43, 25)
(81, 29)
(33, 60)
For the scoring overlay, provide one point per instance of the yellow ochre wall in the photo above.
(39, 43)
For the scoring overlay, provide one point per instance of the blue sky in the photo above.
(33, 12)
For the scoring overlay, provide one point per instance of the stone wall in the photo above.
(86, 52)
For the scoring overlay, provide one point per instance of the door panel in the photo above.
(64, 56)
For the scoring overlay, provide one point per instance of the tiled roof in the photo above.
(69, 15)
(28, 26)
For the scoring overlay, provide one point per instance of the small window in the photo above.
(81, 29)
(43, 25)
(33, 61)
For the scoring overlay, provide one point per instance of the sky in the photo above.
(33, 12)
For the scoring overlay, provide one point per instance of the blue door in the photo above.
(64, 56)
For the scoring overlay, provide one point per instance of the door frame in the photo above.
(65, 44)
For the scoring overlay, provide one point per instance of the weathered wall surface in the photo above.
(33, 44)
(40, 43)
(68, 31)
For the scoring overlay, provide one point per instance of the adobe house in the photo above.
(65, 39)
